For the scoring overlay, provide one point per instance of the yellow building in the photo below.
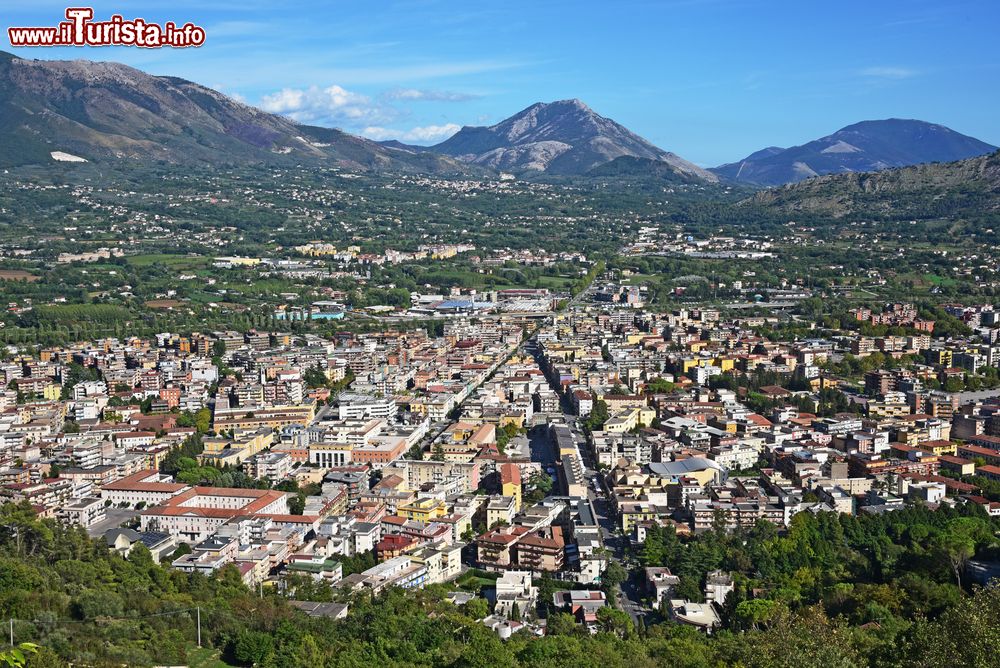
(630, 419)
(694, 362)
(510, 483)
(941, 357)
(317, 249)
(633, 513)
(725, 363)
(423, 510)
(938, 447)
(239, 261)
(516, 419)
(223, 451)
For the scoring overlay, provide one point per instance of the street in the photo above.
(629, 594)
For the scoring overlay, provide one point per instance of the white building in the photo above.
(148, 487)
(515, 588)
(198, 512)
(353, 406)
(84, 512)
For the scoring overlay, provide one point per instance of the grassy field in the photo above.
(203, 657)
(474, 580)
(174, 261)
(942, 281)
(557, 283)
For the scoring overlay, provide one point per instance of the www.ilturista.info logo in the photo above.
(81, 30)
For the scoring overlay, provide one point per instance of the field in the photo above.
(941, 281)
(475, 579)
(203, 657)
(163, 303)
(174, 261)
(17, 275)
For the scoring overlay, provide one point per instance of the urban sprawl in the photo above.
(540, 435)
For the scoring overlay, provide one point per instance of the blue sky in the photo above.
(711, 80)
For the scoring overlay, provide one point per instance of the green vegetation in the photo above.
(167, 279)
(598, 416)
(507, 432)
(805, 598)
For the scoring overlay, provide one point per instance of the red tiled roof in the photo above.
(135, 482)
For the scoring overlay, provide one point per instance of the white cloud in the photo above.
(368, 115)
(416, 94)
(427, 133)
(332, 105)
(884, 72)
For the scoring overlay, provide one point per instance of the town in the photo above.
(528, 455)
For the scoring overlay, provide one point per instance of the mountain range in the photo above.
(868, 146)
(108, 112)
(105, 111)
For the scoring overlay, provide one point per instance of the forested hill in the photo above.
(968, 187)
(835, 590)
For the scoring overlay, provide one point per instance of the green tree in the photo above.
(614, 621)
(18, 656)
(438, 452)
(561, 623)
(254, 648)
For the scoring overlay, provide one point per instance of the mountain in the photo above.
(400, 146)
(108, 112)
(565, 137)
(965, 189)
(868, 146)
(630, 167)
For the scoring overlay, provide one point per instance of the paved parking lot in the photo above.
(115, 517)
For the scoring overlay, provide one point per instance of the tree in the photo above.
(308, 652)
(614, 621)
(756, 613)
(181, 550)
(653, 551)
(660, 386)
(477, 608)
(957, 543)
(253, 648)
(613, 576)
(965, 635)
(561, 624)
(19, 525)
(315, 377)
(598, 416)
(504, 434)
(18, 656)
(483, 649)
(541, 481)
